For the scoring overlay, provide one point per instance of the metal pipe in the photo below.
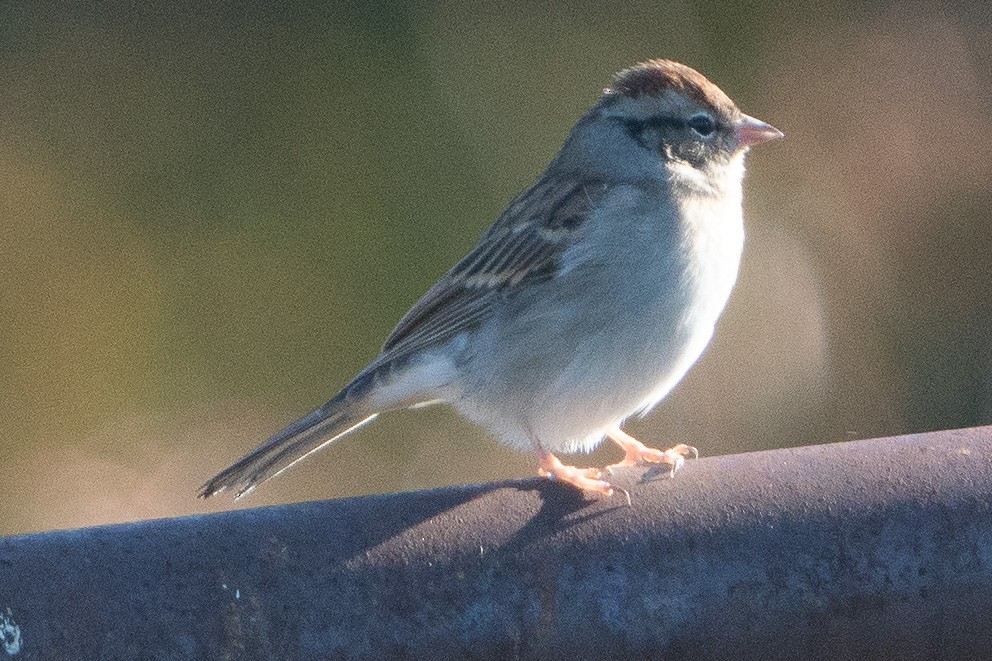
(876, 549)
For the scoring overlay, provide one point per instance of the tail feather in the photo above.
(320, 428)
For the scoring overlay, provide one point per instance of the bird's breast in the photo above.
(666, 254)
(664, 281)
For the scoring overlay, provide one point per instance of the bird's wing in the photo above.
(525, 245)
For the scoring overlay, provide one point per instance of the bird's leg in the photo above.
(586, 479)
(636, 452)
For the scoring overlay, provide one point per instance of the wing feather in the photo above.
(524, 245)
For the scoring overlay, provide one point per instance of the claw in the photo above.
(585, 479)
(636, 452)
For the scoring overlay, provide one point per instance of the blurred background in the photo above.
(211, 217)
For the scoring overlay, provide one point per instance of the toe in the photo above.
(636, 452)
(585, 479)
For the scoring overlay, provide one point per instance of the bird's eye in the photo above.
(702, 124)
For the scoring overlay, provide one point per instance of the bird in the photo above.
(586, 301)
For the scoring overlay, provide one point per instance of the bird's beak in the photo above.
(751, 131)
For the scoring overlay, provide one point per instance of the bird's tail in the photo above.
(338, 417)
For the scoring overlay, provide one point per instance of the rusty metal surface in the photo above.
(875, 549)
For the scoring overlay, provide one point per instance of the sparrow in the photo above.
(586, 301)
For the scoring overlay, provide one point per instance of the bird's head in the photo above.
(664, 110)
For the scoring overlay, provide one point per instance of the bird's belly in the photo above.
(572, 376)
(564, 364)
(647, 344)
(612, 378)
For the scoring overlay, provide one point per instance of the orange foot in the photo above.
(636, 452)
(585, 479)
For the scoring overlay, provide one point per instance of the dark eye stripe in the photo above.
(636, 127)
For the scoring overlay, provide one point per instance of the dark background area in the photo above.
(211, 217)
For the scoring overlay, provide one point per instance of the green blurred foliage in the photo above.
(211, 215)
